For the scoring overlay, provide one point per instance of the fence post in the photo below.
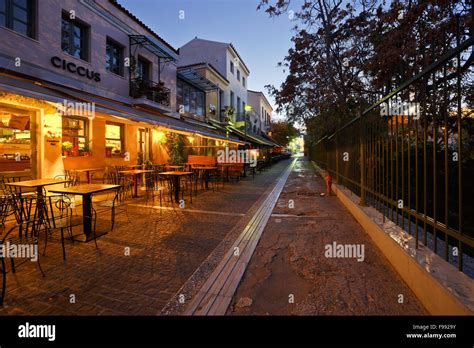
(337, 159)
(362, 164)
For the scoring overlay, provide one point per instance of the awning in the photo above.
(194, 78)
(57, 94)
(152, 46)
(250, 137)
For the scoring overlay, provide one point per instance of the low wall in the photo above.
(439, 286)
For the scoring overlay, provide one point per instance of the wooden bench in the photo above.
(201, 161)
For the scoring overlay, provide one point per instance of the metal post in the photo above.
(362, 164)
(337, 159)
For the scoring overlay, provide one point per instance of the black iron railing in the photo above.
(411, 156)
(157, 92)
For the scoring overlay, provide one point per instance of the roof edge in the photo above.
(143, 25)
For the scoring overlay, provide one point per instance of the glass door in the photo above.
(143, 137)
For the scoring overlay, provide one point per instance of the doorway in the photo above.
(143, 137)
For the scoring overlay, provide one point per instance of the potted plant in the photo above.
(66, 147)
(75, 151)
(84, 151)
(175, 147)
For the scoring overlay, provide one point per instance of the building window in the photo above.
(238, 106)
(190, 99)
(232, 97)
(114, 144)
(74, 37)
(114, 57)
(75, 136)
(143, 69)
(238, 75)
(18, 15)
(232, 67)
(15, 139)
(243, 81)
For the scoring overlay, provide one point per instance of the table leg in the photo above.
(39, 195)
(87, 215)
(176, 188)
(135, 186)
(206, 178)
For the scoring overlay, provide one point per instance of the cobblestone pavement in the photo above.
(166, 247)
(290, 275)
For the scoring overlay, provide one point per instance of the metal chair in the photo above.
(64, 219)
(155, 184)
(14, 236)
(111, 205)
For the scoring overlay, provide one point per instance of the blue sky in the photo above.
(260, 40)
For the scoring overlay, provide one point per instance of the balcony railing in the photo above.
(140, 88)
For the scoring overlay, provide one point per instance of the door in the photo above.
(143, 145)
(143, 69)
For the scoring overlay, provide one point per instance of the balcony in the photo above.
(145, 90)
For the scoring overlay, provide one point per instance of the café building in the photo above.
(84, 83)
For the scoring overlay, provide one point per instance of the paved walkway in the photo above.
(289, 273)
(165, 250)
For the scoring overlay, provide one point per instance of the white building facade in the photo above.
(225, 58)
(261, 116)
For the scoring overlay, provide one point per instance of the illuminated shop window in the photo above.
(75, 136)
(15, 137)
(114, 139)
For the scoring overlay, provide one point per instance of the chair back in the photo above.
(201, 161)
(12, 179)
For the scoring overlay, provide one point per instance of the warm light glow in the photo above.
(159, 136)
(189, 134)
(191, 139)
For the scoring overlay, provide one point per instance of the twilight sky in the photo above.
(261, 41)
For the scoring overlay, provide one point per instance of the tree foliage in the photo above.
(346, 54)
(283, 132)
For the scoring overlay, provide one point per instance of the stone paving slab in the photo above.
(166, 248)
(290, 263)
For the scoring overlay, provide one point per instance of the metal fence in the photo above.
(411, 156)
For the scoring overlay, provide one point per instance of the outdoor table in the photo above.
(86, 191)
(176, 168)
(88, 172)
(37, 184)
(206, 171)
(226, 166)
(176, 177)
(135, 173)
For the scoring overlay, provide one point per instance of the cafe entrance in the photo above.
(17, 137)
(143, 138)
